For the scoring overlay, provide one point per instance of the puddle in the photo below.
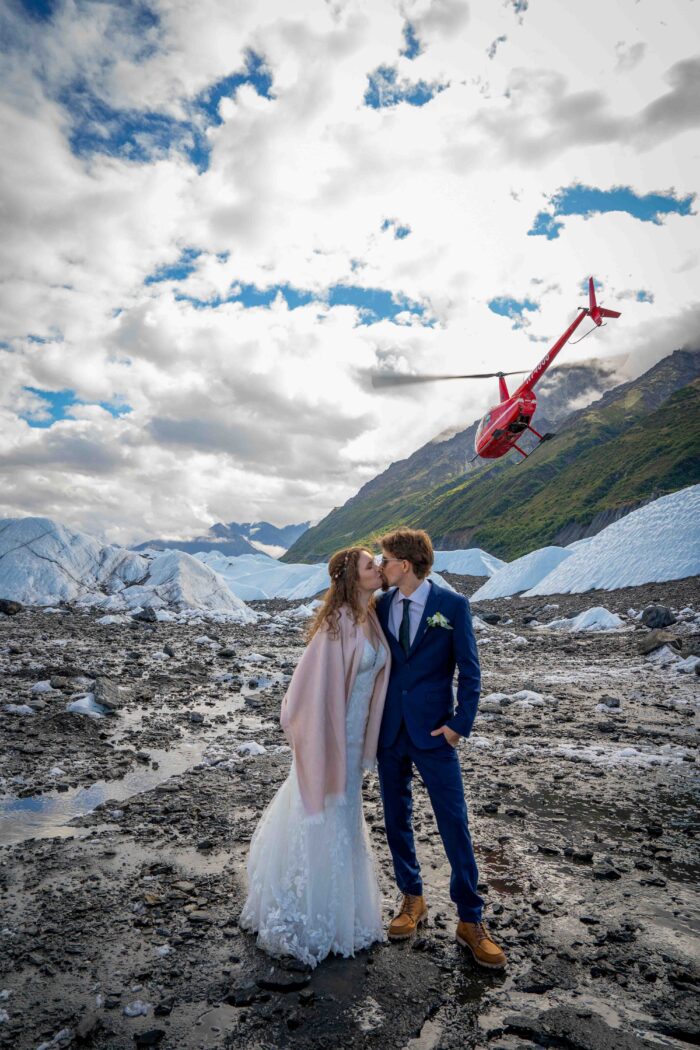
(212, 1026)
(48, 815)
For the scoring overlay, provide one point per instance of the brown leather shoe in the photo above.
(474, 936)
(412, 913)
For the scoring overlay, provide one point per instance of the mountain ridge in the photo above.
(540, 494)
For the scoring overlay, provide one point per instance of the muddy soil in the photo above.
(123, 866)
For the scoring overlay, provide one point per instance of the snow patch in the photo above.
(470, 562)
(87, 705)
(657, 542)
(251, 747)
(597, 618)
(525, 572)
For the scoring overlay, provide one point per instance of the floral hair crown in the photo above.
(341, 570)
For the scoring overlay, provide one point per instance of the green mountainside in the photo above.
(639, 441)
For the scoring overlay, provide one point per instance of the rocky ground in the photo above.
(125, 832)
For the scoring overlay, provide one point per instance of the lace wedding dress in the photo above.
(312, 885)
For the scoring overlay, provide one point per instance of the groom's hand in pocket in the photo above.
(450, 736)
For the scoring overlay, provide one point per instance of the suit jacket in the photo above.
(420, 685)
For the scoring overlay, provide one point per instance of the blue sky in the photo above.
(514, 309)
(216, 227)
(591, 200)
(54, 405)
(140, 135)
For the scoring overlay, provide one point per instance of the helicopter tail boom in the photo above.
(595, 312)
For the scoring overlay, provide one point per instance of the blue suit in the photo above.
(419, 699)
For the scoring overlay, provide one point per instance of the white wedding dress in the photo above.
(312, 885)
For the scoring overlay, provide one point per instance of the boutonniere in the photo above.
(438, 620)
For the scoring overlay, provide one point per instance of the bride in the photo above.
(312, 880)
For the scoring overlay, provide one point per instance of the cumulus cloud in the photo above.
(241, 411)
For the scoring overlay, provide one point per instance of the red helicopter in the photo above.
(500, 428)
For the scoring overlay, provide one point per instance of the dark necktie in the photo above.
(405, 628)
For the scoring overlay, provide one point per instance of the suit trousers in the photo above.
(440, 772)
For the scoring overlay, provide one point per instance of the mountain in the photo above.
(638, 441)
(235, 538)
(264, 532)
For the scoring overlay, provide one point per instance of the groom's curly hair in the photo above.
(412, 545)
(343, 571)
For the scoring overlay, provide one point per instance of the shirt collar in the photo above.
(419, 596)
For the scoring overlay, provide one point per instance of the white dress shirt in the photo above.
(417, 600)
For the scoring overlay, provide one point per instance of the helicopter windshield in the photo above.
(484, 423)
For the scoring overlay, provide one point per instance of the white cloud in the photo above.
(266, 412)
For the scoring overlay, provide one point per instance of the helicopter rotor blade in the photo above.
(381, 379)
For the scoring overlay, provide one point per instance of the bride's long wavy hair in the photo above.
(344, 590)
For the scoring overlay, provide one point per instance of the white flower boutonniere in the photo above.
(438, 620)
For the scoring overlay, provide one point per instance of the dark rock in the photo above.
(9, 607)
(565, 1026)
(108, 694)
(164, 1007)
(284, 981)
(294, 1018)
(649, 642)
(242, 993)
(195, 716)
(145, 615)
(625, 933)
(151, 1037)
(657, 616)
(491, 618)
(606, 871)
(552, 973)
(583, 856)
(200, 916)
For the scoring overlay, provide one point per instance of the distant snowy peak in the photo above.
(43, 563)
(236, 538)
(262, 532)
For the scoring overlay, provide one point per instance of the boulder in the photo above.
(656, 639)
(9, 607)
(657, 616)
(108, 694)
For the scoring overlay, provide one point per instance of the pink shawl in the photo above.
(314, 706)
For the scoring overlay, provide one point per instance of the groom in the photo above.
(430, 632)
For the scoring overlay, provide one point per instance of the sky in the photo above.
(218, 219)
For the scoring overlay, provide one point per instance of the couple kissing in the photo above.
(373, 690)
